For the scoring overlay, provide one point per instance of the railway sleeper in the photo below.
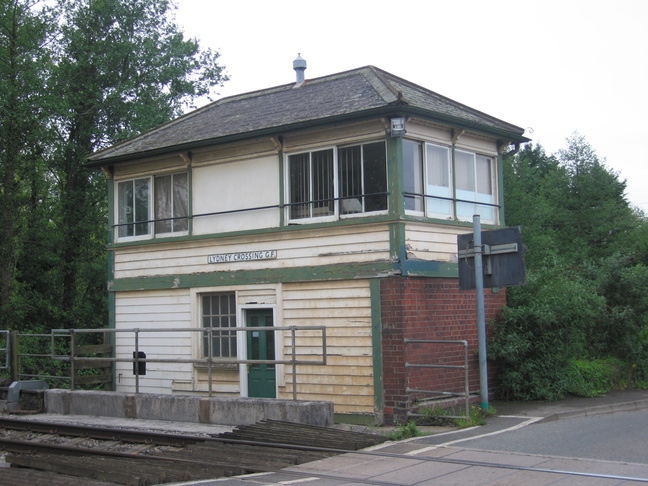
(307, 435)
(125, 471)
(18, 476)
(249, 453)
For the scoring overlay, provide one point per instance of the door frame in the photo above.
(241, 344)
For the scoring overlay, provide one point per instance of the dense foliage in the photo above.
(580, 325)
(77, 76)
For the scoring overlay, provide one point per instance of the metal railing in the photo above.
(466, 392)
(209, 361)
(282, 206)
(5, 346)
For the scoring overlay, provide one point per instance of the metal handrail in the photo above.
(256, 208)
(465, 394)
(208, 360)
(5, 350)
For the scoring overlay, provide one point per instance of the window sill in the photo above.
(220, 365)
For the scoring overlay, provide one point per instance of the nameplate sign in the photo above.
(246, 256)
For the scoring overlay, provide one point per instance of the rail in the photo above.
(4, 350)
(139, 357)
(256, 208)
(466, 392)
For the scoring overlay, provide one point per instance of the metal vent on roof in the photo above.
(299, 65)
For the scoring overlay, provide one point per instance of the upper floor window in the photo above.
(436, 187)
(338, 182)
(148, 206)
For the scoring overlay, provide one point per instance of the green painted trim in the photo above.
(396, 185)
(251, 277)
(111, 210)
(112, 313)
(420, 268)
(190, 202)
(376, 344)
(454, 180)
(111, 295)
(500, 189)
(282, 189)
(397, 243)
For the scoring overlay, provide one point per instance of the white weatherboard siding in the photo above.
(303, 248)
(344, 307)
(236, 186)
(167, 309)
(432, 242)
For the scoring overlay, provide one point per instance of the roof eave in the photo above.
(513, 135)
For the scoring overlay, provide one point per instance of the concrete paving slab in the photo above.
(414, 473)
(138, 424)
(510, 459)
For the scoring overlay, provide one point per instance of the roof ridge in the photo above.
(392, 95)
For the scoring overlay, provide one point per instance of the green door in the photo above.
(262, 380)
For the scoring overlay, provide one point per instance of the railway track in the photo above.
(53, 454)
(64, 455)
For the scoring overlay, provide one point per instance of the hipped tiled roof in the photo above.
(351, 94)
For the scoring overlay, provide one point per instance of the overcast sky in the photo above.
(553, 67)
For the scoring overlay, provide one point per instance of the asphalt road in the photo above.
(621, 436)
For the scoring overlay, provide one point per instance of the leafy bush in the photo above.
(545, 325)
(596, 377)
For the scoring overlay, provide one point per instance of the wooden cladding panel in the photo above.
(433, 242)
(153, 310)
(330, 246)
(344, 308)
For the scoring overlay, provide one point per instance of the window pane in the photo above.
(485, 187)
(219, 310)
(413, 175)
(142, 204)
(299, 186)
(171, 203)
(465, 176)
(322, 183)
(438, 181)
(465, 171)
(133, 211)
(350, 179)
(484, 180)
(163, 204)
(375, 176)
(126, 210)
(180, 202)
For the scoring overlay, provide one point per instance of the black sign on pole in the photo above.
(503, 259)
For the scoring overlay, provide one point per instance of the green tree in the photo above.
(600, 217)
(123, 67)
(74, 79)
(534, 182)
(25, 64)
(583, 312)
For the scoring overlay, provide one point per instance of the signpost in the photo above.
(489, 259)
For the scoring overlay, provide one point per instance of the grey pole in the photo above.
(481, 315)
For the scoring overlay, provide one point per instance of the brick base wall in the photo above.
(428, 308)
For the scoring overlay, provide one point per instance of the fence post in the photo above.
(294, 363)
(72, 362)
(13, 352)
(210, 353)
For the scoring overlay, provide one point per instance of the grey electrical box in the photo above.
(503, 258)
